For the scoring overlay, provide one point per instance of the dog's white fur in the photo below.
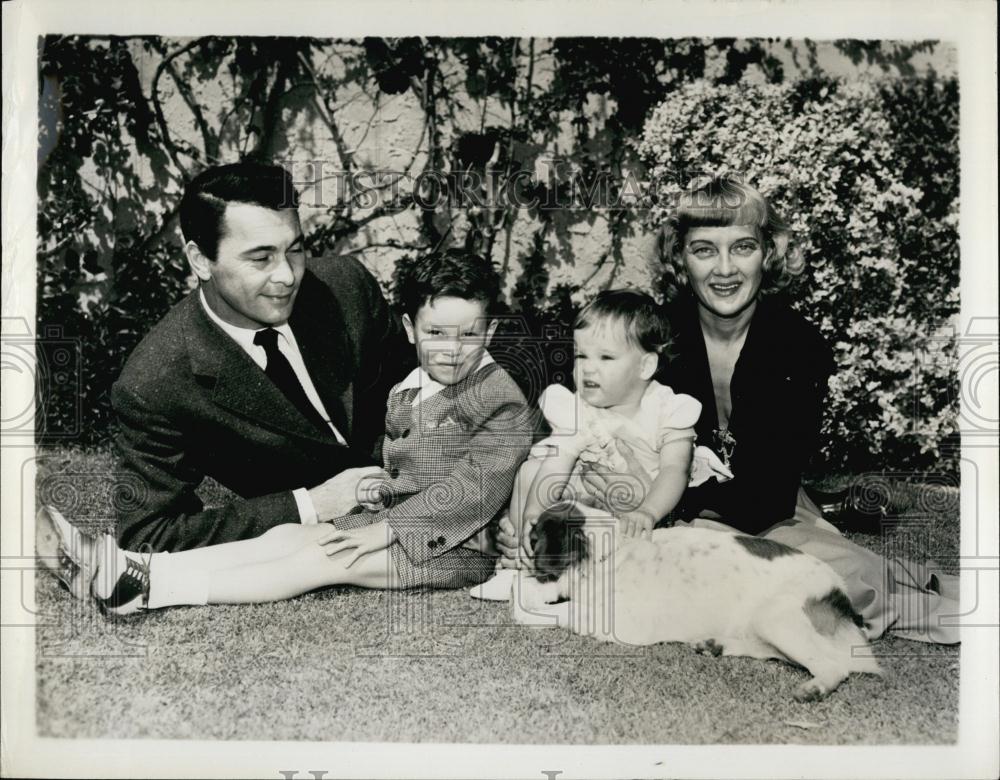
(707, 588)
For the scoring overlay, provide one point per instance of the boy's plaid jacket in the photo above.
(451, 461)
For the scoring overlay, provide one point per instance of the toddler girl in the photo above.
(618, 409)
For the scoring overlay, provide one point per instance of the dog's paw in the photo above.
(532, 594)
(811, 690)
(708, 647)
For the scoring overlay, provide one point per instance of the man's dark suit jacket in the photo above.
(191, 403)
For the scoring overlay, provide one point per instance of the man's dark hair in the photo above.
(203, 206)
(643, 320)
(452, 273)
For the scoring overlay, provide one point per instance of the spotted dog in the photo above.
(724, 594)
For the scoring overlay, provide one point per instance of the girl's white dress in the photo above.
(589, 433)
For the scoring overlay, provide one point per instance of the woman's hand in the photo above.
(363, 540)
(618, 493)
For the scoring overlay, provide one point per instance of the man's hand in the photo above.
(618, 493)
(363, 540)
(340, 494)
(369, 491)
(637, 522)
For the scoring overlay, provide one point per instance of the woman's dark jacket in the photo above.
(777, 391)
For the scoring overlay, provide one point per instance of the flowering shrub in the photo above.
(867, 176)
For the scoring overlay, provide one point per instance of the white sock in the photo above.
(497, 587)
(171, 588)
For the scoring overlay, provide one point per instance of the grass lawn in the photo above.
(356, 665)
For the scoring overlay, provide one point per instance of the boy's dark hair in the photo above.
(203, 206)
(643, 318)
(455, 273)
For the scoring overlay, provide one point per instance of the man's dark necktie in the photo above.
(280, 371)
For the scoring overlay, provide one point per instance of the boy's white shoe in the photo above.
(497, 587)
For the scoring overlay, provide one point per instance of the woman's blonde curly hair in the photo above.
(725, 201)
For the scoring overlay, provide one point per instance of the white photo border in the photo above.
(970, 26)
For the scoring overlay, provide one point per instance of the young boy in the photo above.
(456, 430)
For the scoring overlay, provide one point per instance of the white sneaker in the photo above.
(497, 587)
(66, 551)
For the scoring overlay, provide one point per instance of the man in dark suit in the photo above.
(271, 377)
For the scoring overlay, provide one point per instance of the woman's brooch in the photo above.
(725, 443)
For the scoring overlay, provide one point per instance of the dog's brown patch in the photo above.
(830, 612)
(558, 540)
(765, 548)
